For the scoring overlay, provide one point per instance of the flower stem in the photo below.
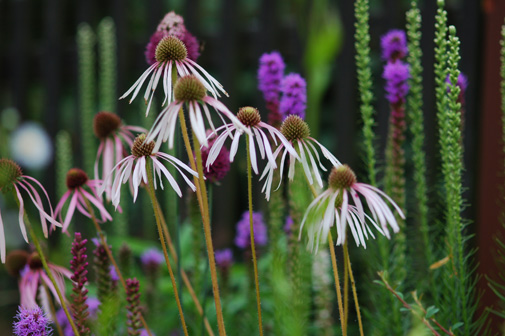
(111, 256)
(200, 193)
(50, 275)
(251, 227)
(337, 285)
(343, 321)
(347, 262)
(346, 291)
(53, 311)
(154, 201)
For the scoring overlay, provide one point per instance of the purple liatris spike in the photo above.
(294, 96)
(151, 260)
(31, 322)
(243, 237)
(270, 74)
(396, 75)
(133, 297)
(394, 45)
(79, 265)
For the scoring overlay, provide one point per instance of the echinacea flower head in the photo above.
(80, 190)
(297, 132)
(396, 75)
(31, 322)
(394, 45)
(13, 180)
(243, 236)
(134, 168)
(189, 91)
(34, 277)
(294, 96)
(250, 118)
(333, 206)
(224, 258)
(16, 262)
(171, 53)
(112, 134)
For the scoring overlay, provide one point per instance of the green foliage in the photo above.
(87, 85)
(324, 40)
(362, 45)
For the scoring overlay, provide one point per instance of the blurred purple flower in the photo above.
(220, 167)
(243, 237)
(288, 225)
(224, 258)
(151, 259)
(462, 82)
(31, 322)
(294, 96)
(394, 45)
(396, 75)
(270, 73)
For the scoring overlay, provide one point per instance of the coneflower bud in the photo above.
(249, 116)
(294, 128)
(341, 177)
(133, 297)
(16, 261)
(105, 123)
(78, 265)
(76, 178)
(141, 147)
(189, 88)
(170, 48)
(10, 172)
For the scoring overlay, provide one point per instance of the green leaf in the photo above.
(432, 310)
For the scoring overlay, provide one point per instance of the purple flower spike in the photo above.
(79, 265)
(270, 74)
(288, 225)
(396, 75)
(224, 258)
(151, 260)
(294, 98)
(394, 45)
(220, 167)
(31, 322)
(243, 237)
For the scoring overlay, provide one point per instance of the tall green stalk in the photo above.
(364, 71)
(107, 64)
(86, 55)
(63, 163)
(416, 126)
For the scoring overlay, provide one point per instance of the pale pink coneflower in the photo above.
(333, 206)
(297, 132)
(12, 179)
(134, 167)
(172, 53)
(250, 118)
(34, 278)
(189, 91)
(112, 134)
(77, 180)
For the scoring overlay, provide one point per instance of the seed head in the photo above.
(141, 147)
(189, 88)
(295, 128)
(249, 116)
(10, 172)
(16, 261)
(34, 261)
(105, 123)
(342, 177)
(76, 178)
(170, 48)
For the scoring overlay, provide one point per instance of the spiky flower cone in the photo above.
(79, 265)
(133, 307)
